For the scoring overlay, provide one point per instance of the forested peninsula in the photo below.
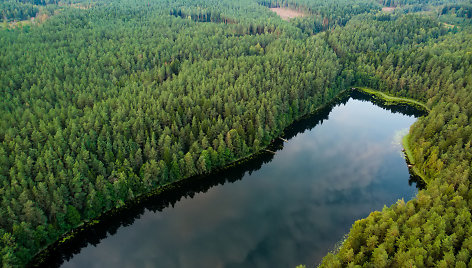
(104, 101)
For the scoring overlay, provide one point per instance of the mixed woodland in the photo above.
(107, 100)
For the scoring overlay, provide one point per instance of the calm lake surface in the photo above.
(289, 211)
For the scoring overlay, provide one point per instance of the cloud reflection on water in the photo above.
(291, 211)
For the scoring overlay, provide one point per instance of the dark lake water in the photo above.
(278, 211)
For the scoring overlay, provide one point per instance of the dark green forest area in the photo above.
(103, 103)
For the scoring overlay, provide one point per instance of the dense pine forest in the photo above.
(104, 101)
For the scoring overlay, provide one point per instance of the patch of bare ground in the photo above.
(449, 26)
(388, 9)
(287, 13)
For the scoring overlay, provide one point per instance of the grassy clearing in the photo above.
(16, 24)
(40, 18)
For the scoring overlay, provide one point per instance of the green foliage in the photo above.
(431, 64)
(110, 102)
(72, 216)
(12, 10)
(323, 15)
(104, 103)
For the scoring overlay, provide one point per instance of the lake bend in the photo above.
(278, 210)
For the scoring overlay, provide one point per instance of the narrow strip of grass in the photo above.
(411, 159)
(393, 99)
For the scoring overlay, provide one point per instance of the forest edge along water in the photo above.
(383, 99)
(93, 231)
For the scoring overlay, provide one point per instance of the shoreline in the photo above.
(391, 100)
(411, 161)
(41, 258)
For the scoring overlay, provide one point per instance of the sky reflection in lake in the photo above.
(291, 211)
